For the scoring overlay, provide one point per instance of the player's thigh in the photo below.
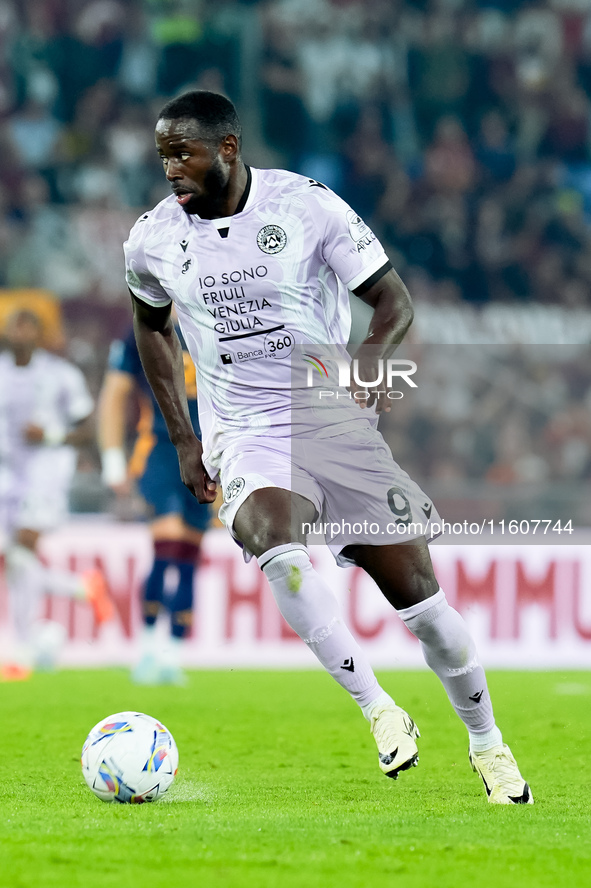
(267, 499)
(167, 527)
(272, 516)
(27, 537)
(369, 499)
(177, 514)
(402, 571)
(196, 516)
(172, 528)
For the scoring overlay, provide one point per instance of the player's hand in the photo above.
(370, 367)
(193, 472)
(34, 434)
(123, 488)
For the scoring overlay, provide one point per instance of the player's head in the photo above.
(214, 116)
(198, 136)
(23, 331)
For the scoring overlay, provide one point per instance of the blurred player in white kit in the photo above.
(45, 413)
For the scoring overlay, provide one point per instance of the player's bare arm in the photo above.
(162, 359)
(393, 314)
(82, 433)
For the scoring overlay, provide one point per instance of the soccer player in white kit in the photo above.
(258, 264)
(45, 411)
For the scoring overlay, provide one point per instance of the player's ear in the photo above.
(229, 147)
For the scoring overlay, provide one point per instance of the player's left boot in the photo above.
(503, 783)
(97, 595)
(395, 734)
(14, 672)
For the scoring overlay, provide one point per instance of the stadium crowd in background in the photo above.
(459, 129)
(516, 419)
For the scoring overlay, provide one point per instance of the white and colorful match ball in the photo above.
(129, 757)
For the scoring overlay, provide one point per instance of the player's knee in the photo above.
(27, 538)
(271, 517)
(287, 562)
(264, 535)
(19, 558)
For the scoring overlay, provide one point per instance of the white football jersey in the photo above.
(48, 392)
(251, 288)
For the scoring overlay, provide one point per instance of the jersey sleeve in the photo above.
(140, 272)
(349, 246)
(78, 400)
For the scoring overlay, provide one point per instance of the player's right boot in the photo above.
(14, 672)
(97, 595)
(395, 734)
(503, 783)
(147, 671)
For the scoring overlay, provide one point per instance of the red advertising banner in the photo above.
(529, 606)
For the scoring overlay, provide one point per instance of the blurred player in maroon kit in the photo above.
(177, 520)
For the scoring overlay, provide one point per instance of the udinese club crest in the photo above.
(234, 489)
(271, 239)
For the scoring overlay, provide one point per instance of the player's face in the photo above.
(198, 172)
(22, 332)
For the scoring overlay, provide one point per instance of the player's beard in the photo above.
(215, 191)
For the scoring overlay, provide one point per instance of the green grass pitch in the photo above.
(279, 786)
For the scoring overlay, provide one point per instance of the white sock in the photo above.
(482, 742)
(148, 639)
(63, 582)
(53, 581)
(312, 610)
(383, 700)
(24, 578)
(450, 652)
(170, 656)
(28, 580)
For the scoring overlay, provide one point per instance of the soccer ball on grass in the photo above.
(129, 757)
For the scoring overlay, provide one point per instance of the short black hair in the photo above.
(215, 114)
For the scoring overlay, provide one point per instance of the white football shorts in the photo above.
(361, 495)
(34, 494)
